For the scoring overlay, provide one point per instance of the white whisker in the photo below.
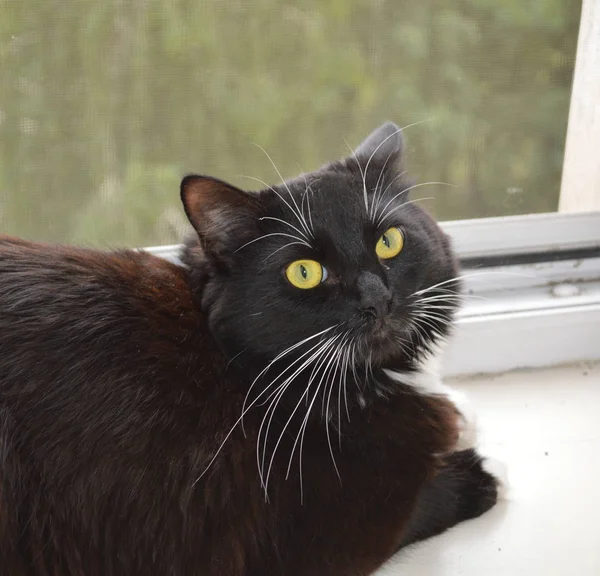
(377, 187)
(381, 144)
(281, 248)
(362, 175)
(421, 334)
(383, 193)
(278, 357)
(324, 347)
(298, 213)
(457, 298)
(346, 367)
(286, 223)
(356, 382)
(228, 435)
(391, 184)
(435, 318)
(394, 133)
(321, 362)
(332, 382)
(299, 218)
(342, 389)
(290, 366)
(444, 283)
(437, 307)
(300, 240)
(308, 188)
(402, 192)
(305, 421)
(260, 461)
(429, 323)
(403, 205)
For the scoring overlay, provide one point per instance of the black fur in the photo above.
(123, 378)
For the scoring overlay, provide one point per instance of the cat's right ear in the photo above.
(223, 216)
(383, 144)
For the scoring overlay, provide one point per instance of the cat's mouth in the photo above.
(380, 331)
(384, 338)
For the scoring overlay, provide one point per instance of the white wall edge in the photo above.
(580, 187)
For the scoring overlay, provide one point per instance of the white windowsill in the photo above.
(544, 426)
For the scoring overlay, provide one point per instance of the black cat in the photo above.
(266, 410)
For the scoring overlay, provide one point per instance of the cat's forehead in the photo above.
(328, 213)
(338, 200)
(331, 205)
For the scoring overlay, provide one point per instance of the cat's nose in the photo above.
(374, 296)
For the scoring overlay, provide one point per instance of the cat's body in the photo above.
(122, 383)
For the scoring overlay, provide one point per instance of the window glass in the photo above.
(104, 104)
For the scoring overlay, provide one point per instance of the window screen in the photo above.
(104, 105)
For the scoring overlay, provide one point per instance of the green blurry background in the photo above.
(104, 105)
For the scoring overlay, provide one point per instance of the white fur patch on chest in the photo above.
(427, 381)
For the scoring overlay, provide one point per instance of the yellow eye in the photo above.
(390, 244)
(305, 274)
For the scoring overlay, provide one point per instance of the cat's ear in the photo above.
(222, 215)
(385, 144)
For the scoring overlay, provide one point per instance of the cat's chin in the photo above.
(383, 342)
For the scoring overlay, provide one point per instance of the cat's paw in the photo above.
(499, 471)
(479, 489)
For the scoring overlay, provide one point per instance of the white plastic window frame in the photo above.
(532, 282)
(540, 289)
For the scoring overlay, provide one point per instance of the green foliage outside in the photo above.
(104, 105)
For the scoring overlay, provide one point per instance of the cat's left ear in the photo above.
(385, 144)
(223, 216)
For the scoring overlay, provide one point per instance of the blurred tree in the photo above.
(104, 105)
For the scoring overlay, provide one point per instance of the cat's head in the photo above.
(337, 264)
